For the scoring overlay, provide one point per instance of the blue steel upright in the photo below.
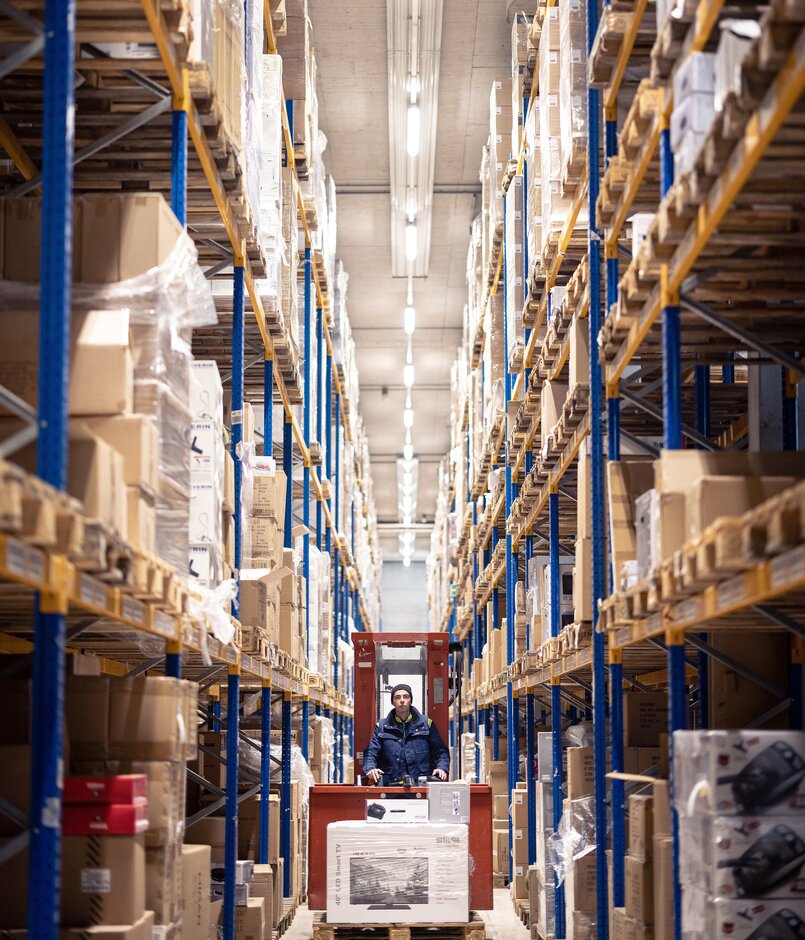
(306, 421)
(179, 163)
(287, 466)
(285, 795)
(265, 772)
(268, 406)
(231, 826)
(54, 372)
(556, 701)
(237, 407)
(319, 412)
(597, 477)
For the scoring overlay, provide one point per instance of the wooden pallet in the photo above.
(474, 929)
(288, 913)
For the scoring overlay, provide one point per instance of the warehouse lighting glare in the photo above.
(408, 452)
(406, 561)
(408, 376)
(410, 241)
(414, 129)
(408, 417)
(409, 320)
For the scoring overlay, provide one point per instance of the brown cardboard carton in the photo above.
(248, 828)
(87, 715)
(500, 849)
(142, 930)
(228, 503)
(195, 892)
(553, 400)
(579, 365)
(101, 368)
(500, 806)
(15, 783)
(677, 471)
(163, 882)
(618, 924)
(253, 603)
(250, 921)
(639, 889)
(141, 519)
(580, 886)
(712, 497)
(626, 480)
(641, 825)
(663, 887)
(583, 581)
(268, 495)
(519, 883)
(124, 236)
(637, 760)
(148, 719)
(637, 931)
(580, 772)
(103, 880)
(211, 831)
(262, 886)
(279, 888)
(645, 717)
(662, 823)
(95, 476)
(135, 438)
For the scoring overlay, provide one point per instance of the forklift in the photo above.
(382, 660)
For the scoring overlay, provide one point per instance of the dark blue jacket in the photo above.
(414, 747)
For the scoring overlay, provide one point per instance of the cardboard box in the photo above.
(135, 438)
(580, 772)
(641, 825)
(712, 497)
(626, 480)
(124, 236)
(253, 603)
(250, 920)
(262, 886)
(195, 892)
(248, 828)
(553, 400)
(519, 882)
(580, 891)
(500, 849)
(87, 714)
(639, 889)
(142, 930)
(579, 359)
(645, 718)
(152, 718)
(638, 760)
(211, 831)
(95, 476)
(268, 495)
(500, 806)
(663, 850)
(103, 880)
(583, 581)
(163, 882)
(141, 519)
(659, 529)
(721, 918)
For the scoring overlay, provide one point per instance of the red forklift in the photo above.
(381, 660)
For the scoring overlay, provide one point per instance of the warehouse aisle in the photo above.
(502, 923)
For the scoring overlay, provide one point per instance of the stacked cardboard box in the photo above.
(263, 496)
(500, 125)
(515, 271)
(739, 796)
(573, 85)
(694, 108)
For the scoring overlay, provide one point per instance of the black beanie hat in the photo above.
(405, 688)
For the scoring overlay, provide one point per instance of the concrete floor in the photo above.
(501, 923)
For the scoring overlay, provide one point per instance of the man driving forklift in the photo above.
(405, 744)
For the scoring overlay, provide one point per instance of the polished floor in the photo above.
(502, 923)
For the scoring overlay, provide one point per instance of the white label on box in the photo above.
(237, 417)
(96, 880)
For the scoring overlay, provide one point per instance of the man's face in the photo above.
(402, 703)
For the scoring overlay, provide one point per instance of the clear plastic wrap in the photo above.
(212, 605)
(705, 918)
(397, 873)
(574, 837)
(573, 82)
(515, 270)
(249, 759)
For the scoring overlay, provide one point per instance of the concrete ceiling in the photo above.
(350, 46)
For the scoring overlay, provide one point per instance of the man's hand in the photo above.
(440, 774)
(374, 775)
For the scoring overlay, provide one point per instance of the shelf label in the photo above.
(35, 561)
(133, 610)
(15, 558)
(687, 611)
(92, 592)
(731, 592)
(788, 568)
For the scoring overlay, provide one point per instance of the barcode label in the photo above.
(96, 880)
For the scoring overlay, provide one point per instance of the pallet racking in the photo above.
(671, 342)
(94, 605)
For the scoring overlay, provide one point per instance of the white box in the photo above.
(449, 802)
(205, 514)
(743, 856)
(687, 154)
(734, 44)
(695, 113)
(244, 872)
(205, 563)
(739, 772)
(696, 73)
(206, 392)
(641, 222)
(397, 873)
(720, 918)
(241, 893)
(396, 811)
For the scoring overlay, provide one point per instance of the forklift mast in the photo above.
(382, 660)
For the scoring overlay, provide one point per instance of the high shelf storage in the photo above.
(659, 329)
(127, 87)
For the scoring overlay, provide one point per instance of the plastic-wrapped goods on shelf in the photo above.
(705, 918)
(252, 108)
(515, 272)
(263, 495)
(296, 49)
(485, 177)
(734, 44)
(289, 266)
(521, 27)
(573, 86)
(694, 108)
(475, 284)
(533, 162)
(311, 394)
(554, 208)
(500, 120)
(271, 149)
(321, 748)
(397, 873)
(228, 67)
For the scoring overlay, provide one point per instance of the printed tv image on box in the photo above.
(388, 883)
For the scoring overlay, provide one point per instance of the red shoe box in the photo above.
(110, 819)
(122, 788)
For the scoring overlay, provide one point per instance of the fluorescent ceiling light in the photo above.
(414, 129)
(408, 452)
(411, 240)
(409, 320)
(413, 44)
(408, 376)
(408, 417)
